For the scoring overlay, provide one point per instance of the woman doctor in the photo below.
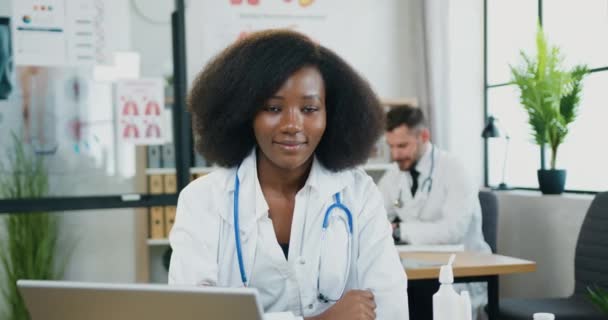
(288, 120)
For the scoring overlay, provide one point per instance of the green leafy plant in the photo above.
(549, 94)
(599, 297)
(28, 241)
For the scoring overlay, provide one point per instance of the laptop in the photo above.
(63, 300)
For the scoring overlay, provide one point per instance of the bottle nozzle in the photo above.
(446, 275)
(452, 258)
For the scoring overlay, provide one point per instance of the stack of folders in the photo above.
(162, 218)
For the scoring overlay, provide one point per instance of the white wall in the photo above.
(101, 244)
(464, 112)
(543, 229)
(5, 8)
(151, 35)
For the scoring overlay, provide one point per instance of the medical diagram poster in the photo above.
(140, 118)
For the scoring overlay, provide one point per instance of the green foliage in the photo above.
(28, 241)
(549, 94)
(599, 297)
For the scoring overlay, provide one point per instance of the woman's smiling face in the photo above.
(291, 123)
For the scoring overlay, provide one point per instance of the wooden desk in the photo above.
(467, 264)
(469, 267)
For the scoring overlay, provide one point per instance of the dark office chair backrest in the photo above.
(591, 258)
(489, 217)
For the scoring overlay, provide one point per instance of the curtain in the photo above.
(429, 49)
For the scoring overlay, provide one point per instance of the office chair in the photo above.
(489, 217)
(590, 267)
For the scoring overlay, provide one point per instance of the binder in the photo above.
(154, 156)
(170, 184)
(169, 219)
(157, 223)
(168, 156)
(155, 184)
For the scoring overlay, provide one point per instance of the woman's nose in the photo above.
(291, 121)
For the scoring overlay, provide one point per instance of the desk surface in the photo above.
(467, 264)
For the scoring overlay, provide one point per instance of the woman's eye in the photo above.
(310, 109)
(273, 108)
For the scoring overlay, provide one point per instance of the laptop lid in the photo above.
(63, 300)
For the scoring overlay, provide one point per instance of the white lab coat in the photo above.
(204, 250)
(449, 213)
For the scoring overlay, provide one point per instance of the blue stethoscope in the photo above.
(427, 183)
(239, 252)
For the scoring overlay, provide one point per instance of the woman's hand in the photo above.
(354, 305)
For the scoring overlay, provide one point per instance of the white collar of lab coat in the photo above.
(320, 180)
(424, 164)
(248, 180)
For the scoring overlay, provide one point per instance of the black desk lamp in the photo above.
(492, 130)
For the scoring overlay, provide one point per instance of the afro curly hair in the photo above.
(232, 88)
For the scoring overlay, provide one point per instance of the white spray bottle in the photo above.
(447, 304)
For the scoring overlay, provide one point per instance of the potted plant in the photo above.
(599, 297)
(28, 241)
(550, 95)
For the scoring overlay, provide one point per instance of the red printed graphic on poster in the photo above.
(139, 111)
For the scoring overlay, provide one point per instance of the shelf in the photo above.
(158, 242)
(150, 171)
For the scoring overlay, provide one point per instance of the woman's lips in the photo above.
(290, 145)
